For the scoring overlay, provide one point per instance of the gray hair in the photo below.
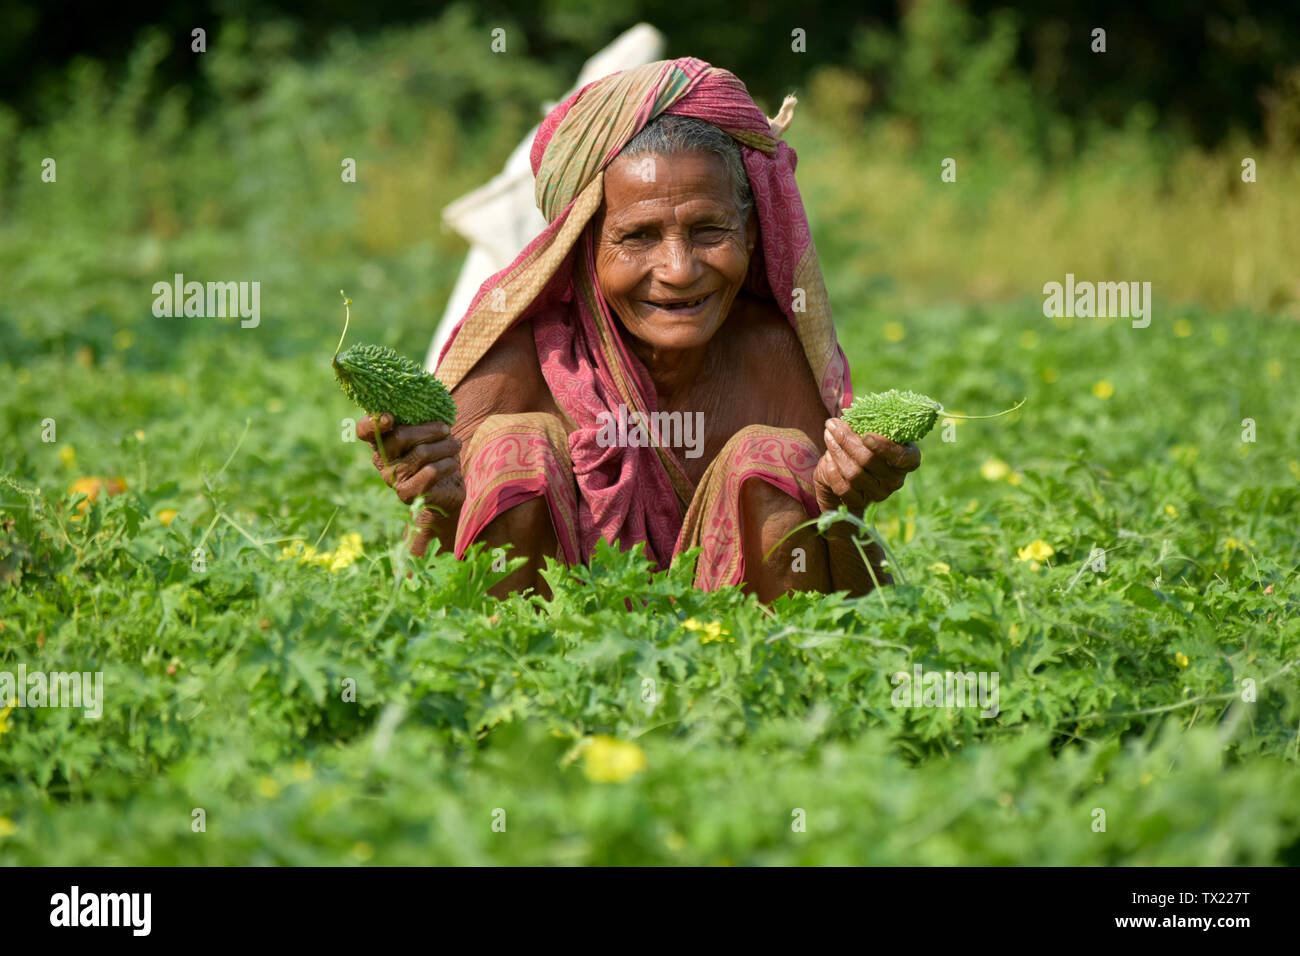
(669, 134)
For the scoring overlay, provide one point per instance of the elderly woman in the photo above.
(659, 366)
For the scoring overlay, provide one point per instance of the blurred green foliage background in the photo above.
(237, 172)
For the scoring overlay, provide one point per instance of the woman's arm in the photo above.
(422, 460)
(857, 470)
(853, 470)
(425, 459)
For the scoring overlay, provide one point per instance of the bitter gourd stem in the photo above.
(347, 317)
(947, 414)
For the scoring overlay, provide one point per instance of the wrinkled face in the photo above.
(672, 249)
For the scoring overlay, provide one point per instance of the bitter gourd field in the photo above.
(284, 684)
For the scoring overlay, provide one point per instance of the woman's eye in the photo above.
(710, 233)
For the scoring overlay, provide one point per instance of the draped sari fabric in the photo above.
(626, 494)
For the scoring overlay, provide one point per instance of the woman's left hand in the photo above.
(860, 469)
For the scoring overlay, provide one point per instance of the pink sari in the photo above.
(634, 494)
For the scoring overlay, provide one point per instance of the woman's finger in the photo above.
(427, 452)
(903, 457)
(403, 468)
(885, 474)
(366, 427)
(424, 480)
(855, 487)
(405, 437)
(850, 442)
(831, 475)
(857, 466)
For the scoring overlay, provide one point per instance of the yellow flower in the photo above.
(7, 827)
(1181, 659)
(1049, 374)
(123, 340)
(1038, 550)
(302, 771)
(894, 331)
(362, 850)
(4, 717)
(1015, 478)
(1274, 368)
(994, 469)
(1029, 340)
(139, 434)
(167, 515)
(346, 553)
(343, 556)
(67, 456)
(1295, 468)
(1103, 389)
(91, 487)
(1171, 511)
(267, 787)
(1220, 334)
(275, 406)
(608, 760)
(296, 549)
(940, 567)
(713, 631)
(1182, 328)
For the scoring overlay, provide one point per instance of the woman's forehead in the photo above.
(649, 180)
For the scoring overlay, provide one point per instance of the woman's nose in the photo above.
(678, 265)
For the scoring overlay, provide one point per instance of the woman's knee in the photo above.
(522, 531)
(526, 525)
(780, 555)
(542, 425)
(782, 552)
(765, 448)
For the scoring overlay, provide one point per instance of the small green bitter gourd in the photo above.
(380, 380)
(901, 416)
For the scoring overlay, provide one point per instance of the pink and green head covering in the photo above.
(637, 494)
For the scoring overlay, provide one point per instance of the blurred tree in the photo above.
(1204, 66)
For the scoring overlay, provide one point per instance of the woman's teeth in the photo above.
(684, 305)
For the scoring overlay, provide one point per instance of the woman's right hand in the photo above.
(422, 460)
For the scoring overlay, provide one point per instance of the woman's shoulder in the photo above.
(775, 367)
(508, 378)
(513, 353)
(512, 364)
(762, 330)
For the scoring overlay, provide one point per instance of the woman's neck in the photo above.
(678, 373)
(673, 371)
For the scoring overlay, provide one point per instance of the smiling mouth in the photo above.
(680, 305)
